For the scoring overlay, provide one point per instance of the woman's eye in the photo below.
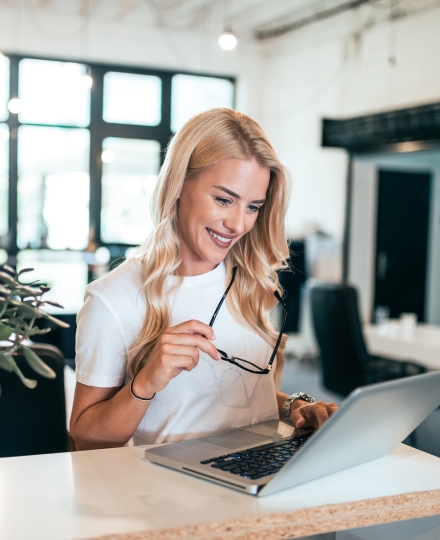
(253, 208)
(222, 201)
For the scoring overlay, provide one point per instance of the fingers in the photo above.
(173, 342)
(313, 414)
(177, 350)
(183, 362)
(193, 327)
(331, 408)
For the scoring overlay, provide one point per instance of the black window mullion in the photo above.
(97, 134)
(129, 131)
(13, 124)
(165, 124)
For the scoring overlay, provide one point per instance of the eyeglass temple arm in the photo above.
(280, 300)
(234, 271)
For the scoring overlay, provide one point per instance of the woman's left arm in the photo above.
(304, 414)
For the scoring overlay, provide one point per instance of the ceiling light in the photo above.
(227, 41)
(15, 105)
(4, 135)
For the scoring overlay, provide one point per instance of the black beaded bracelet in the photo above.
(137, 397)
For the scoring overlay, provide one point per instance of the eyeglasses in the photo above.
(239, 361)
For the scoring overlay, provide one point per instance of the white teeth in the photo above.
(221, 238)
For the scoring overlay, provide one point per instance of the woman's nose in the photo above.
(235, 221)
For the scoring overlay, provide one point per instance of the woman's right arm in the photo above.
(108, 417)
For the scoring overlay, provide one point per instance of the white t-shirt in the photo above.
(214, 396)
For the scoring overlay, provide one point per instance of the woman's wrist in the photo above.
(140, 389)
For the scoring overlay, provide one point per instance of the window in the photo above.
(132, 99)
(53, 187)
(4, 87)
(129, 174)
(85, 161)
(192, 94)
(65, 272)
(4, 136)
(54, 93)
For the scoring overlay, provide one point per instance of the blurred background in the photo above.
(348, 91)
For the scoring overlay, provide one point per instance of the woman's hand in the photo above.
(311, 415)
(177, 350)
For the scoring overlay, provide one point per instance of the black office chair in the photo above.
(292, 282)
(345, 361)
(33, 421)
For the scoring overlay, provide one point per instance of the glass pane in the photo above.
(132, 99)
(53, 187)
(65, 272)
(4, 87)
(191, 94)
(129, 175)
(54, 93)
(4, 168)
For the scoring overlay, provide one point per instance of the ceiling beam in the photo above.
(305, 21)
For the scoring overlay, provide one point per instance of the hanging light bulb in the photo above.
(86, 79)
(227, 40)
(15, 105)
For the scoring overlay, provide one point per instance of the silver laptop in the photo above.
(271, 456)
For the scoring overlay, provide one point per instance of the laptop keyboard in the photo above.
(259, 461)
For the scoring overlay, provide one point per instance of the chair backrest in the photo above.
(338, 330)
(33, 421)
(292, 281)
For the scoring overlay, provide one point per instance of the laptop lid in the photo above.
(370, 423)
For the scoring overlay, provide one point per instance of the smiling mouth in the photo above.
(221, 239)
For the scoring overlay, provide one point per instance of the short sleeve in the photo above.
(101, 350)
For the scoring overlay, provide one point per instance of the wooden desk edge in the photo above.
(298, 523)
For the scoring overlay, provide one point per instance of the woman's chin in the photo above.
(214, 258)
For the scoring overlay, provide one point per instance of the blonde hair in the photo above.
(204, 140)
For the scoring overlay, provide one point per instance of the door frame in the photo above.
(401, 131)
(398, 131)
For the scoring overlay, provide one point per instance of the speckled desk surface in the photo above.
(300, 523)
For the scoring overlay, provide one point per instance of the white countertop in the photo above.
(422, 346)
(85, 494)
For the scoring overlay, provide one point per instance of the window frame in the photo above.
(99, 129)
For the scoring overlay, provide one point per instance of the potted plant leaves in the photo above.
(20, 310)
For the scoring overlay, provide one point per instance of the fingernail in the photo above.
(219, 356)
(213, 336)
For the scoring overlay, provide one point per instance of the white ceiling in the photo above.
(249, 17)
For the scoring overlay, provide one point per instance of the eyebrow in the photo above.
(229, 192)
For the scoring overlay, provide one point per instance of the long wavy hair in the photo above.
(204, 140)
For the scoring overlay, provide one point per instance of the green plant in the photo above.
(20, 308)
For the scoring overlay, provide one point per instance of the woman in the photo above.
(148, 362)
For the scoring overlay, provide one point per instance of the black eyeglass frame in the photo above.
(233, 359)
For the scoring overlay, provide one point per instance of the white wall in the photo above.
(363, 225)
(339, 68)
